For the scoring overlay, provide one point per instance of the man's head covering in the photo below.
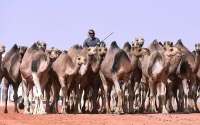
(90, 31)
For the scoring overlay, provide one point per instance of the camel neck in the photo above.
(197, 61)
(96, 63)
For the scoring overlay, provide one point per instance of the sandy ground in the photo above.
(97, 119)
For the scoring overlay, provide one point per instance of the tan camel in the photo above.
(65, 67)
(171, 81)
(155, 69)
(187, 69)
(82, 78)
(94, 79)
(115, 67)
(35, 62)
(2, 51)
(135, 78)
(12, 74)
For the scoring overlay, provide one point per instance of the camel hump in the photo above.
(179, 42)
(127, 46)
(15, 48)
(117, 58)
(114, 45)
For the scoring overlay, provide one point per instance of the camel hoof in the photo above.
(186, 112)
(5, 111)
(16, 111)
(172, 111)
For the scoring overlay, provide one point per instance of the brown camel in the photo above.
(115, 67)
(65, 67)
(187, 71)
(135, 77)
(196, 88)
(171, 81)
(94, 78)
(155, 69)
(12, 74)
(82, 78)
(2, 50)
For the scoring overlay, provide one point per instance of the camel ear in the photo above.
(161, 44)
(136, 39)
(52, 47)
(171, 43)
(19, 47)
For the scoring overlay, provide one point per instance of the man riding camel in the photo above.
(91, 40)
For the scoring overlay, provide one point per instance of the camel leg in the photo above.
(47, 90)
(106, 88)
(119, 109)
(144, 89)
(38, 96)
(170, 95)
(184, 82)
(56, 89)
(86, 93)
(152, 108)
(163, 93)
(26, 93)
(131, 97)
(94, 98)
(190, 99)
(15, 96)
(195, 108)
(64, 92)
(6, 87)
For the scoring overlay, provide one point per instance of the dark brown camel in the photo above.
(12, 74)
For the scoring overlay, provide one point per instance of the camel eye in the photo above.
(99, 49)
(79, 58)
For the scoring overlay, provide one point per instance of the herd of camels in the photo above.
(162, 78)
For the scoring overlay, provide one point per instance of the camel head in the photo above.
(169, 49)
(139, 42)
(54, 53)
(41, 45)
(92, 51)
(102, 51)
(22, 50)
(80, 60)
(101, 44)
(197, 48)
(139, 52)
(2, 49)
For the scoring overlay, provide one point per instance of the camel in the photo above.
(115, 67)
(65, 67)
(171, 81)
(196, 89)
(82, 77)
(135, 76)
(35, 71)
(155, 69)
(12, 74)
(94, 78)
(2, 51)
(187, 71)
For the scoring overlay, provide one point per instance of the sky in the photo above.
(64, 23)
